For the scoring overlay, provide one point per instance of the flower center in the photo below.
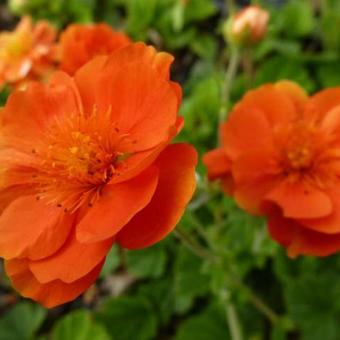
(297, 143)
(300, 157)
(78, 157)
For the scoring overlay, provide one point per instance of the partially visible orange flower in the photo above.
(280, 156)
(27, 53)
(86, 162)
(80, 43)
(248, 26)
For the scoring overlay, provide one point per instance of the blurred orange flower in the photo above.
(27, 53)
(88, 163)
(80, 43)
(249, 25)
(280, 156)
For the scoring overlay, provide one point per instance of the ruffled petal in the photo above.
(245, 129)
(73, 261)
(142, 104)
(324, 101)
(275, 104)
(116, 206)
(294, 92)
(250, 195)
(301, 241)
(329, 224)
(217, 163)
(300, 200)
(27, 113)
(175, 189)
(50, 294)
(23, 222)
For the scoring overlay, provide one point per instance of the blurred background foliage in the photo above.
(167, 291)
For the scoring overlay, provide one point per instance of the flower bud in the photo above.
(248, 26)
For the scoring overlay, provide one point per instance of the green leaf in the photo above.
(312, 302)
(330, 23)
(209, 325)
(79, 325)
(278, 68)
(127, 318)
(197, 10)
(21, 322)
(139, 17)
(149, 262)
(190, 280)
(4, 95)
(329, 75)
(297, 18)
(111, 263)
(161, 294)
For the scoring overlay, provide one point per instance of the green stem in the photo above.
(257, 301)
(233, 64)
(232, 318)
(248, 67)
(194, 246)
(203, 253)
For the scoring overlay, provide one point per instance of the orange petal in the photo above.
(142, 104)
(302, 241)
(27, 112)
(140, 161)
(330, 124)
(86, 79)
(329, 224)
(217, 163)
(250, 195)
(81, 43)
(175, 189)
(23, 222)
(244, 130)
(294, 92)
(299, 200)
(159, 61)
(255, 164)
(73, 261)
(116, 206)
(324, 101)
(276, 106)
(51, 294)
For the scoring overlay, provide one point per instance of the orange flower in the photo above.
(88, 163)
(26, 53)
(80, 43)
(280, 156)
(248, 26)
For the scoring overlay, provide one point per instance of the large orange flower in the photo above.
(27, 53)
(280, 156)
(80, 43)
(86, 163)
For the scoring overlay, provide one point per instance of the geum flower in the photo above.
(86, 163)
(27, 53)
(280, 156)
(79, 43)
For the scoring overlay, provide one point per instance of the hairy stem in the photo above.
(233, 64)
